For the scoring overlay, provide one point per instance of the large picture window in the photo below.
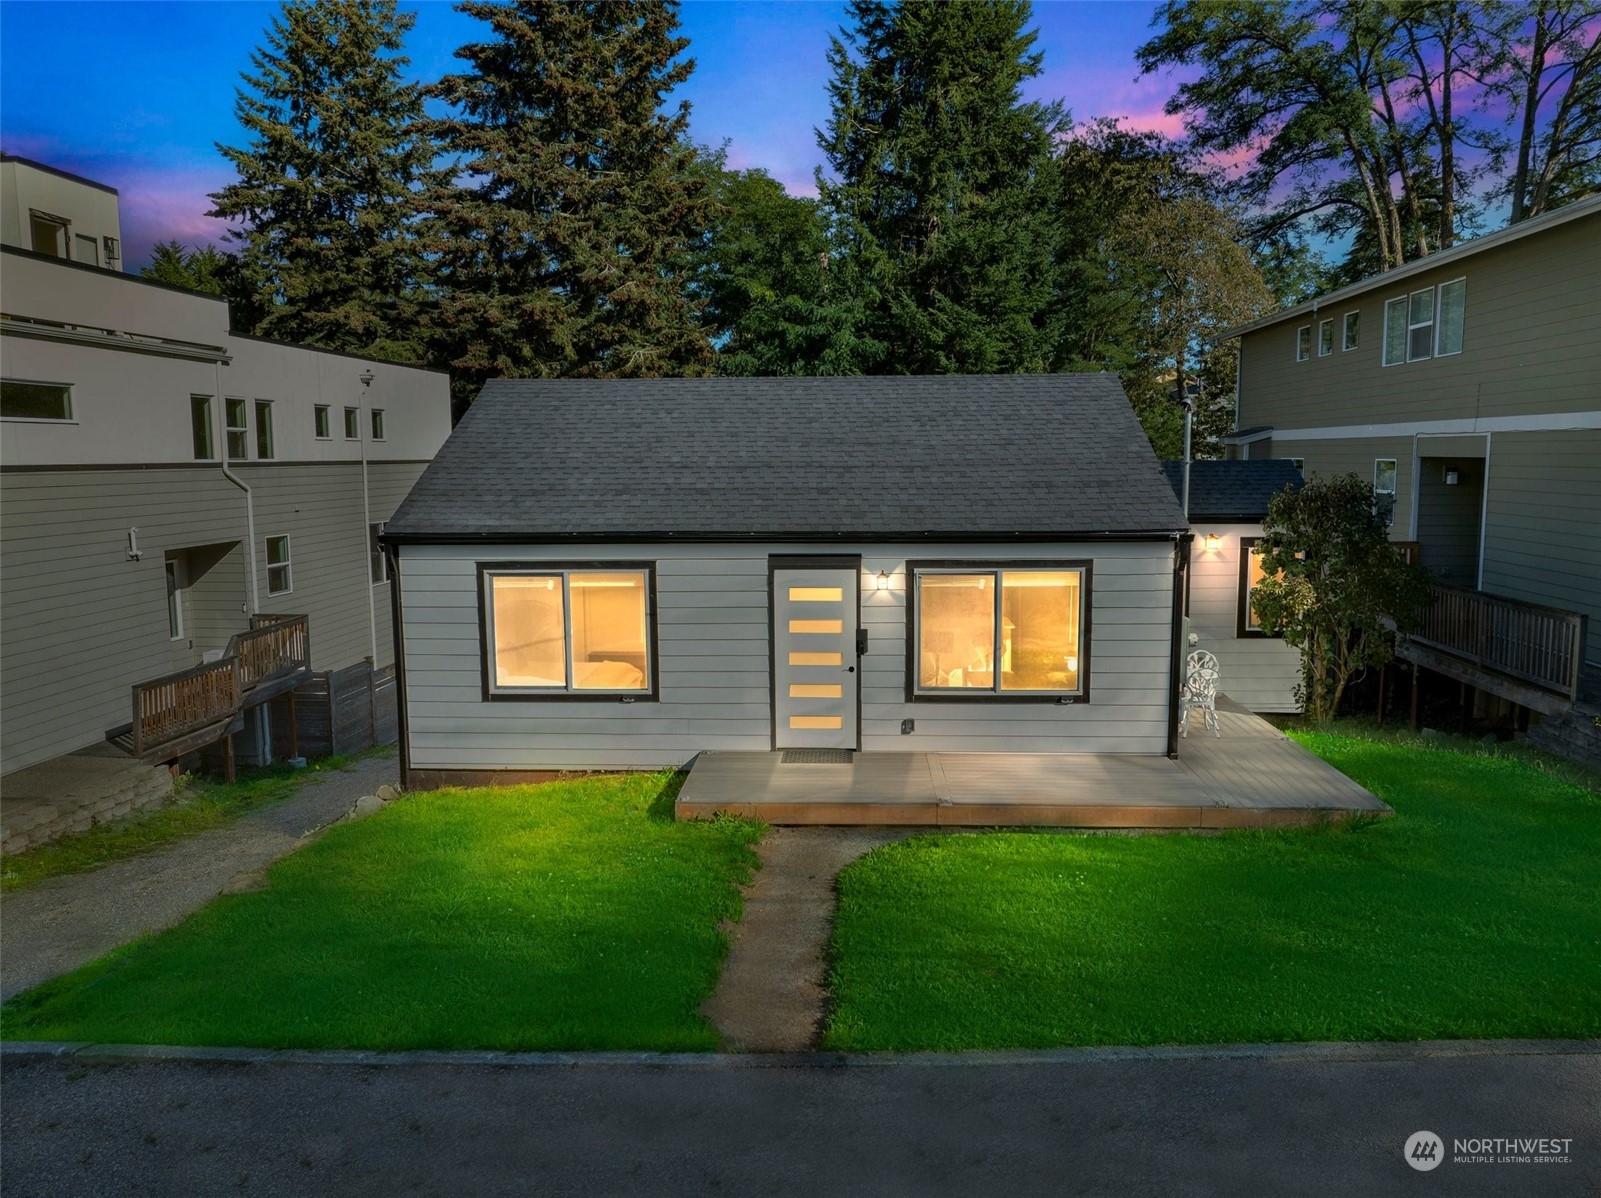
(1425, 324)
(569, 630)
(1251, 573)
(1008, 631)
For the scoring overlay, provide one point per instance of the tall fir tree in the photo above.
(565, 245)
(325, 199)
(942, 183)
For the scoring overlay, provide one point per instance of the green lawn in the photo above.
(1475, 911)
(573, 915)
(197, 804)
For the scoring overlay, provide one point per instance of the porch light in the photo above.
(1451, 478)
(1211, 542)
(883, 580)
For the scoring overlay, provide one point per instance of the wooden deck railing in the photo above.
(169, 708)
(1541, 645)
(174, 706)
(270, 650)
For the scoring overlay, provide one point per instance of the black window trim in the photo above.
(1242, 629)
(980, 565)
(70, 418)
(652, 638)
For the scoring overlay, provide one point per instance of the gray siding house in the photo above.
(1228, 501)
(1467, 387)
(167, 484)
(621, 574)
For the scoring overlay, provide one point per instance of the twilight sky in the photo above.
(135, 94)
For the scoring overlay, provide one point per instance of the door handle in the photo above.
(850, 669)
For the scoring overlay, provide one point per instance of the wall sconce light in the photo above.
(366, 377)
(883, 580)
(1212, 542)
(1452, 477)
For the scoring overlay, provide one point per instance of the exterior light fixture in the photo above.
(1452, 477)
(883, 580)
(1211, 542)
(366, 377)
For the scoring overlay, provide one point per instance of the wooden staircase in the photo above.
(181, 712)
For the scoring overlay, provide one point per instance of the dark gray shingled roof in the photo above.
(992, 456)
(1232, 490)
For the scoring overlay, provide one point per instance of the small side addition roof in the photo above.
(1236, 491)
(992, 457)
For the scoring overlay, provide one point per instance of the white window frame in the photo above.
(1347, 341)
(1438, 308)
(1432, 323)
(228, 430)
(322, 422)
(1303, 343)
(285, 565)
(198, 404)
(352, 420)
(1389, 305)
(377, 422)
(1325, 324)
(66, 388)
(564, 571)
(1395, 475)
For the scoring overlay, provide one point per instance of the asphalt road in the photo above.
(1314, 1123)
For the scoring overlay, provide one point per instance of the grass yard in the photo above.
(197, 804)
(1475, 911)
(574, 915)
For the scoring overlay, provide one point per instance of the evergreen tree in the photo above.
(325, 198)
(204, 268)
(565, 248)
(778, 299)
(943, 181)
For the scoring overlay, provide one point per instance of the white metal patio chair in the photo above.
(1199, 692)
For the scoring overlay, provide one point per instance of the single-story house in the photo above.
(1228, 501)
(620, 574)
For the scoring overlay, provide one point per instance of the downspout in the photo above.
(1189, 420)
(397, 619)
(1181, 566)
(250, 499)
(363, 427)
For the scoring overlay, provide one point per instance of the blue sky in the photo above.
(136, 94)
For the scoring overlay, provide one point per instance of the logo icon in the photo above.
(1423, 1150)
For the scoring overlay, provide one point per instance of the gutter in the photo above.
(1181, 566)
(250, 499)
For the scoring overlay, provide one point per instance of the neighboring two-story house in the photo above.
(167, 484)
(1467, 387)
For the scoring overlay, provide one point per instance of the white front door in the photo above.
(815, 618)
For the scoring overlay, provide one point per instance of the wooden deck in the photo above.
(1253, 776)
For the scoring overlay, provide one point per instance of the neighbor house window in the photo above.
(1453, 300)
(21, 400)
(237, 414)
(174, 601)
(1303, 343)
(559, 630)
(1353, 322)
(377, 568)
(1251, 574)
(279, 579)
(352, 424)
(200, 427)
(1011, 631)
(377, 424)
(1384, 487)
(1325, 338)
(1298, 463)
(49, 234)
(263, 430)
(324, 425)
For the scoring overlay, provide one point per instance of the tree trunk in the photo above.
(1531, 104)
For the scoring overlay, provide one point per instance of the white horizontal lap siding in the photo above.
(713, 655)
(1259, 672)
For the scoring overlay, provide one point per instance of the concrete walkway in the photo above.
(772, 993)
(64, 922)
